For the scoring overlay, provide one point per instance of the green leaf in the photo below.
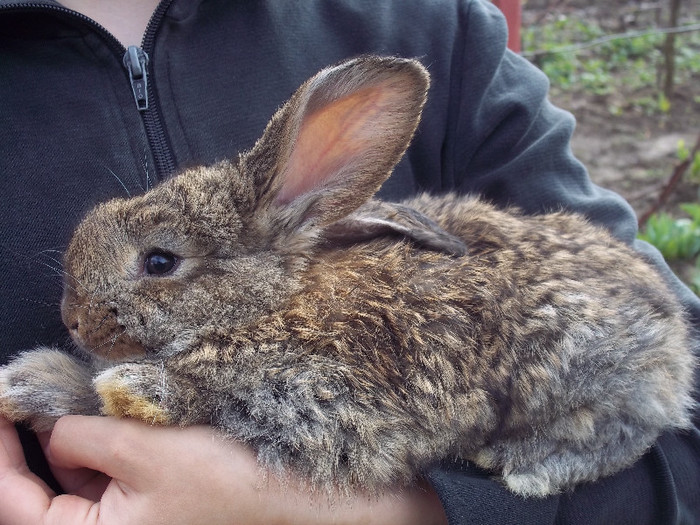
(683, 151)
(692, 209)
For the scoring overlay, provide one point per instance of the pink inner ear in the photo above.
(330, 139)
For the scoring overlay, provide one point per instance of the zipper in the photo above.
(136, 64)
(161, 149)
(135, 61)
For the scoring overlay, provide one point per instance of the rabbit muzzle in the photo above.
(96, 329)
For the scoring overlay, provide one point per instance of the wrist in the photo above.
(299, 505)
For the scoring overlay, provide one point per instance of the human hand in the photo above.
(121, 472)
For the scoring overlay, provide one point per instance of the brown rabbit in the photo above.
(357, 342)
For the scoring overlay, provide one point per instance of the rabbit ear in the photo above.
(338, 138)
(378, 219)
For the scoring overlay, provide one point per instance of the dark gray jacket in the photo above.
(72, 133)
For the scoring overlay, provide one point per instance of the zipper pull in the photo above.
(135, 60)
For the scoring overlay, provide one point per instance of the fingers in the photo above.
(25, 497)
(84, 482)
(12, 452)
(12, 462)
(98, 443)
(132, 452)
(120, 448)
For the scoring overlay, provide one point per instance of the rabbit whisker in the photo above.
(45, 253)
(39, 302)
(59, 270)
(72, 288)
(114, 340)
(55, 271)
(111, 341)
(67, 276)
(64, 275)
(79, 306)
(121, 182)
(99, 324)
(145, 169)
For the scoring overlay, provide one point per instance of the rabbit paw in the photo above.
(135, 390)
(42, 385)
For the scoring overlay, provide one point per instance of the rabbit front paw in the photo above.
(135, 390)
(44, 384)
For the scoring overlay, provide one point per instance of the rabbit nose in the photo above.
(71, 320)
(96, 329)
(69, 316)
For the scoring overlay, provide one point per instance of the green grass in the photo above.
(677, 239)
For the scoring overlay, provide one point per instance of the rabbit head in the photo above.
(218, 246)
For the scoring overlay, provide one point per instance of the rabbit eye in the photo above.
(159, 263)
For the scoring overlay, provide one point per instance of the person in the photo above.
(85, 117)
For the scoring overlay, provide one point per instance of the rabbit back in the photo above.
(587, 346)
(549, 352)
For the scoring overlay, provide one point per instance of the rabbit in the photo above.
(355, 342)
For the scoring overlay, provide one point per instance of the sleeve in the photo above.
(508, 143)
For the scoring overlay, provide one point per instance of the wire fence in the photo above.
(573, 48)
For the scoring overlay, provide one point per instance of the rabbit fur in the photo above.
(356, 342)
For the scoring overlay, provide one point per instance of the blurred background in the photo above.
(630, 73)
